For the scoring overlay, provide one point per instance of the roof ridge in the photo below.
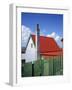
(43, 36)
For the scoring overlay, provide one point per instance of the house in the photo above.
(40, 47)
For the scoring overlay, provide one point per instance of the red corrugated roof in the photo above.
(48, 46)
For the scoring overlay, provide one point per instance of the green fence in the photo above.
(26, 69)
(43, 67)
(53, 66)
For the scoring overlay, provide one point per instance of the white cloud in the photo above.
(25, 35)
(53, 34)
(56, 37)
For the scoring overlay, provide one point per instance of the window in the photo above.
(31, 45)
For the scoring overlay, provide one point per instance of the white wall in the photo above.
(4, 44)
(30, 54)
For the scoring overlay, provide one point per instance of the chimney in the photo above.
(38, 41)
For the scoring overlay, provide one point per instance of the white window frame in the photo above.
(15, 45)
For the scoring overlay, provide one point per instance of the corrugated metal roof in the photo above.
(48, 46)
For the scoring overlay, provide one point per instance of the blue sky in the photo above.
(50, 25)
(48, 22)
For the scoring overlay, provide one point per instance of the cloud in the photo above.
(53, 34)
(26, 31)
(56, 37)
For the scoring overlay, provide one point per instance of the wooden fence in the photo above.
(43, 67)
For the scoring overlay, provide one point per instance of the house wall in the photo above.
(30, 54)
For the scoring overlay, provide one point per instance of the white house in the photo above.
(38, 46)
(30, 51)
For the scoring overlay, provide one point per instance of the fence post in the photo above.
(32, 68)
(53, 67)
